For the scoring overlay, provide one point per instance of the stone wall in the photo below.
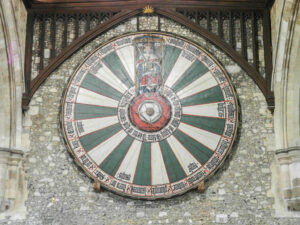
(60, 193)
(12, 39)
(285, 17)
(12, 44)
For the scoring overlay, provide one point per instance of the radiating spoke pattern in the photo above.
(173, 154)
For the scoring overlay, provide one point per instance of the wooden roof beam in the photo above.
(115, 5)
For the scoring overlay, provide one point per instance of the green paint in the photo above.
(90, 111)
(91, 140)
(111, 164)
(213, 94)
(171, 54)
(196, 70)
(93, 83)
(199, 151)
(143, 170)
(114, 63)
(173, 167)
(214, 125)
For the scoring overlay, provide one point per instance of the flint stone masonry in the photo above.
(67, 196)
(222, 218)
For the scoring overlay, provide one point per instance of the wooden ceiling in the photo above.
(133, 4)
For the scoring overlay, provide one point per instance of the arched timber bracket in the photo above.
(171, 14)
(249, 69)
(72, 48)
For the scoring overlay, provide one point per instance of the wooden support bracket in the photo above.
(97, 186)
(201, 187)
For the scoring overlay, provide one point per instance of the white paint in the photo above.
(126, 56)
(89, 97)
(202, 83)
(158, 169)
(100, 152)
(105, 74)
(210, 110)
(130, 161)
(204, 137)
(182, 154)
(91, 125)
(179, 68)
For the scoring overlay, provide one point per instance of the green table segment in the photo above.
(149, 115)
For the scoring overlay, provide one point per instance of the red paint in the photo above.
(136, 119)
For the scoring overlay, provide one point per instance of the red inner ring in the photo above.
(141, 124)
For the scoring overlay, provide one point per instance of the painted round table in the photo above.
(149, 115)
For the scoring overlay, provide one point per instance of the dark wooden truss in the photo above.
(134, 4)
(89, 19)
